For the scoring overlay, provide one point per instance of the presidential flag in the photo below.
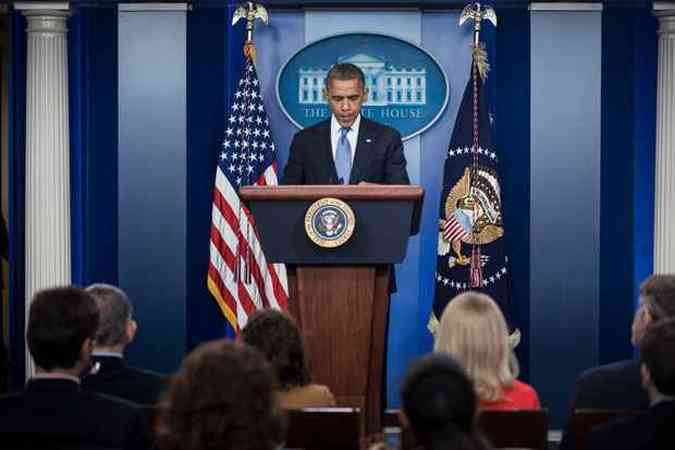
(239, 276)
(471, 232)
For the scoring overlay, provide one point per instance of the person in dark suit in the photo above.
(110, 374)
(618, 385)
(651, 430)
(53, 411)
(347, 148)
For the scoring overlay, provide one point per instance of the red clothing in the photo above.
(518, 396)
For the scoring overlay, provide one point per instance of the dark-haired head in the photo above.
(344, 72)
(439, 404)
(60, 321)
(278, 338)
(222, 397)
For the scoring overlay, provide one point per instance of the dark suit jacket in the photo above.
(59, 414)
(612, 386)
(115, 378)
(378, 158)
(652, 430)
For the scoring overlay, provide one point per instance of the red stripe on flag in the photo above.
(230, 259)
(245, 247)
(453, 230)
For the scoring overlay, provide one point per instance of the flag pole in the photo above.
(251, 12)
(479, 68)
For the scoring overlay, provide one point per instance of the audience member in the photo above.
(652, 430)
(440, 405)
(618, 385)
(473, 330)
(222, 398)
(278, 338)
(116, 329)
(53, 410)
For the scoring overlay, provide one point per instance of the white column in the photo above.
(664, 214)
(47, 155)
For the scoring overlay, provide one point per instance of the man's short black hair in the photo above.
(657, 352)
(60, 320)
(345, 71)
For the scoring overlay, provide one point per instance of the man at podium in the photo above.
(347, 148)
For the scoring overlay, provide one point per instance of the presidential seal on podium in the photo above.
(329, 222)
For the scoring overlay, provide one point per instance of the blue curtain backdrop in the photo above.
(214, 60)
(628, 140)
(17, 181)
(511, 72)
(92, 52)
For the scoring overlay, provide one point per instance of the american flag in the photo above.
(453, 230)
(239, 276)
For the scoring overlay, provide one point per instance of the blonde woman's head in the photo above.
(474, 332)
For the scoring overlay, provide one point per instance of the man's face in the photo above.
(641, 320)
(345, 98)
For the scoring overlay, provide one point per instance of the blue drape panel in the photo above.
(207, 33)
(644, 125)
(17, 205)
(92, 40)
(512, 74)
(152, 191)
(621, 81)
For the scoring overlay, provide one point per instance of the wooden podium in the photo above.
(340, 296)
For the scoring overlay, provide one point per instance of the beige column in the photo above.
(47, 153)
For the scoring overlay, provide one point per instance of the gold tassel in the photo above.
(249, 50)
(479, 55)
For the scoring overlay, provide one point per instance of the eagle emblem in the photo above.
(329, 222)
(473, 213)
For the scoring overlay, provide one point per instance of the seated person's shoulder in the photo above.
(610, 368)
(611, 386)
(309, 396)
(112, 403)
(524, 388)
(151, 375)
(529, 396)
(322, 393)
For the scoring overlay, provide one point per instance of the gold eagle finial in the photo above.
(478, 13)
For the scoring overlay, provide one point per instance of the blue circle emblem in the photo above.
(408, 89)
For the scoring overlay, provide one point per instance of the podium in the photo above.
(340, 296)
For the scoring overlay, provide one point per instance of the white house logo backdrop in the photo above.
(408, 90)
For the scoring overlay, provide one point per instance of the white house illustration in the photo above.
(387, 85)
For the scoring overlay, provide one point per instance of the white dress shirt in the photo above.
(352, 134)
